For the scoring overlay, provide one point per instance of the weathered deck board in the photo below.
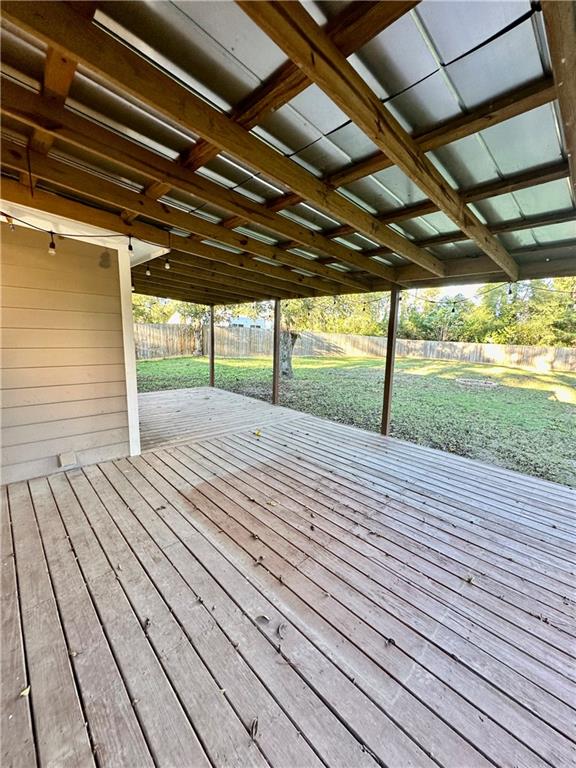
(17, 747)
(265, 588)
(169, 416)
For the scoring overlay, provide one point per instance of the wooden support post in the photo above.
(276, 354)
(211, 346)
(390, 357)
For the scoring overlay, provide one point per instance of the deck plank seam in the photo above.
(318, 469)
(273, 485)
(337, 575)
(358, 477)
(29, 702)
(496, 724)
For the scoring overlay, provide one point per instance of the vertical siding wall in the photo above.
(63, 376)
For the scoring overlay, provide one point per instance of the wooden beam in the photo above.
(59, 71)
(511, 225)
(276, 353)
(187, 262)
(87, 184)
(390, 359)
(560, 22)
(209, 286)
(127, 70)
(484, 191)
(491, 113)
(78, 132)
(553, 260)
(40, 200)
(208, 277)
(211, 347)
(358, 23)
(351, 29)
(486, 115)
(196, 296)
(458, 270)
(294, 30)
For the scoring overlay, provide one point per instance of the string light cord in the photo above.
(9, 217)
(51, 233)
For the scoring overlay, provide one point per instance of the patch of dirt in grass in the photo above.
(482, 383)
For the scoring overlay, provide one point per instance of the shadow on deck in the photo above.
(262, 587)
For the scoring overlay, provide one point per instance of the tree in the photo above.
(198, 316)
(151, 309)
(425, 316)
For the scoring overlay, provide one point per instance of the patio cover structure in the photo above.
(263, 588)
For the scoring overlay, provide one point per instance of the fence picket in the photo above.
(157, 340)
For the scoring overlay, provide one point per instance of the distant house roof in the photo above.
(236, 136)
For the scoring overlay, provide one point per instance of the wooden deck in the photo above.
(274, 589)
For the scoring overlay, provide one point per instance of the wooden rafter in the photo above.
(458, 270)
(203, 271)
(294, 30)
(41, 200)
(78, 132)
(484, 191)
(214, 281)
(59, 71)
(492, 113)
(560, 21)
(352, 28)
(299, 283)
(91, 186)
(109, 59)
(554, 260)
(194, 295)
(358, 23)
(510, 225)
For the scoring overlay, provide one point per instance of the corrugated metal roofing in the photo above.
(435, 63)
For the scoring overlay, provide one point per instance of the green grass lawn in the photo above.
(518, 419)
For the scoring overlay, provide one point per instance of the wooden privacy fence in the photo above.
(169, 340)
(154, 340)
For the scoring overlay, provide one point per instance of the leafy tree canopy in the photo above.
(535, 312)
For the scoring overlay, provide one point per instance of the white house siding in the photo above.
(63, 373)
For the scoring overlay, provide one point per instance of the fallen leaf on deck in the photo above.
(25, 692)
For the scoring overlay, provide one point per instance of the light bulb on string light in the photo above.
(130, 246)
(52, 245)
(167, 264)
(133, 289)
(148, 273)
